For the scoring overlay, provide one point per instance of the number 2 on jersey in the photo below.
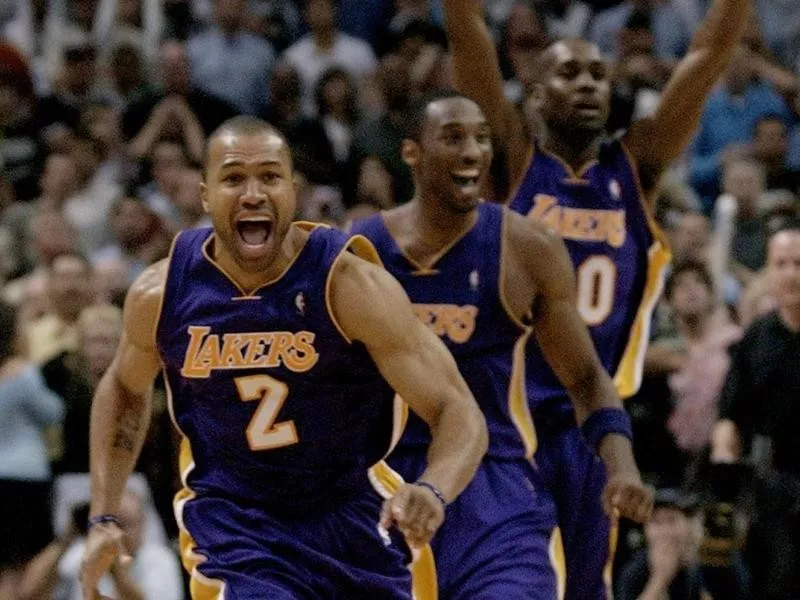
(263, 433)
(597, 281)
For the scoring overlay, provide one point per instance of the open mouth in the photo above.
(587, 106)
(466, 178)
(254, 231)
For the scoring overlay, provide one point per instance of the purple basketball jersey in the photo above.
(618, 253)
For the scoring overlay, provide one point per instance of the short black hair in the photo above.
(79, 53)
(241, 125)
(639, 20)
(417, 111)
(126, 53)
(791, 224)
(319, 92)
(688, 266)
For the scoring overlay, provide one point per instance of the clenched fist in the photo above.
(626, 496)
(416, 511)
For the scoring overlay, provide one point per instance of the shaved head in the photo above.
(556, 52)
(572, 90)
(246, 126)
(249, 191)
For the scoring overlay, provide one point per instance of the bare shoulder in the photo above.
(354, 278)
(143, 304)
(538, 253)
(148, 289)
(366, 301)
(529, 239)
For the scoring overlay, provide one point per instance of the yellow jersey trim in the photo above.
(200, 586)
(502, 275)
(164, 290)
(251, 295)
(424, 584)
(559, 562)
(362, 248)
(628, 377)
(429, 268)
(518, 407)
(573, 176)
(613, 538)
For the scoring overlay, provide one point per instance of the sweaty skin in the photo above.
(538, 274)
(539, 283)
(250, 174)
(572, 96)
(654, 142)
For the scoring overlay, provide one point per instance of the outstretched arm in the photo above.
(122, 403)
(417, 365)
(477, 74)
(568, 348)
(656, 141)
(120, 417)
(421, 370)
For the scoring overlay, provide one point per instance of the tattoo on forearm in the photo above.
(128, 427)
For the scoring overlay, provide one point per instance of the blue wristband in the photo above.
(101, 519)
(433, 489)
(605, 421)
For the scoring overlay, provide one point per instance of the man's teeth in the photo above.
(466, 177)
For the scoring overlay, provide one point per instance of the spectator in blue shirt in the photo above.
(27, 409)
(727, 125)
(231, 63)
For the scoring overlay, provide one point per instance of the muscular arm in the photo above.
(562, 335)
(560, 330)
(123, 400)
(477, 74)
(656, 141)
(417, 365)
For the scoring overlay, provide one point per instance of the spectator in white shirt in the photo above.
(327, 47)
(153, 574)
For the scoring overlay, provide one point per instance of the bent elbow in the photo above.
(480, 432)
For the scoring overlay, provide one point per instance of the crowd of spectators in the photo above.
(105, 106)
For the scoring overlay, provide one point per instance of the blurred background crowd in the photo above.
(105, 106)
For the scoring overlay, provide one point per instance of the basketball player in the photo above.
(484, 279)
(277, 343)
(598, 195)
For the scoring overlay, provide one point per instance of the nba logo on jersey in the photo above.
(384, 534)
(474, 280)
(300, 303)
(614, 189)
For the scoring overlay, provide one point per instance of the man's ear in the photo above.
(410, 152)
(204, 196)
